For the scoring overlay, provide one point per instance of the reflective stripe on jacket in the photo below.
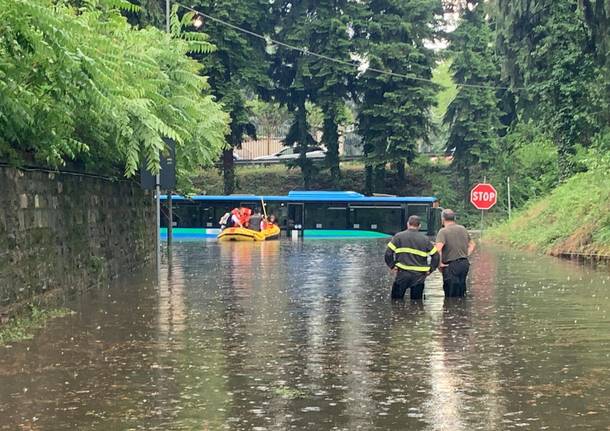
(409, 250)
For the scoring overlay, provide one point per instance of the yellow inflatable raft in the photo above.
(243, 234)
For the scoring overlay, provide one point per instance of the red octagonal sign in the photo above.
(483, 196)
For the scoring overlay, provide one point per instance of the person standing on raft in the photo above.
(408, 254)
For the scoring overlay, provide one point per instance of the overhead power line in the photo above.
(306, 51)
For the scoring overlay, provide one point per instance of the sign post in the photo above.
(165, 179)
(508, 190)
(483, 196)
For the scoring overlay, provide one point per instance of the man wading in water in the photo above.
(454, 245)
(408, 254)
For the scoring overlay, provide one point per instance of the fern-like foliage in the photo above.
(83, 84)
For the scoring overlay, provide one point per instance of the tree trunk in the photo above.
(400, 170)
(368, 179)
(467, 186)
(228, 171)
(565, 152)
(303, 139)
(380, 178)
(330, 138)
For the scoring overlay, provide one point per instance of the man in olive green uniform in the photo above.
(454, 244)
(408, 254)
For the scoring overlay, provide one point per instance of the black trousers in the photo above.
(408, 280)
(454, 278)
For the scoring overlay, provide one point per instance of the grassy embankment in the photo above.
(574, 219)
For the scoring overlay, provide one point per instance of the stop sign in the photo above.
(483, 196)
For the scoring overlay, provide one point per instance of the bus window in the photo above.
(422, 212)
(435, 221)
(186, 214)
(377, 218)
(325, 216)
(207, 216)
(211, 214)
(279, 210)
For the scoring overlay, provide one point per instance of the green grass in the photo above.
(24, 327)
(279, 180)
(573, 219)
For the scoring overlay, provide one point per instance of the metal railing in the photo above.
(243, 162)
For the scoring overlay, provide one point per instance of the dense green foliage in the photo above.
(573, 219)
(529, 159)
(524, 88)
(550, 59)
(552, 116)
(83, 84)
(236, 67)
(394, 112)
(292, 77)
(333, 83)
(473, 116)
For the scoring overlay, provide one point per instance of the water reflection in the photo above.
(302, 335)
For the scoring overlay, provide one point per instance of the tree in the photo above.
(473, 116)
(597, 17)
(394, 110)
(270, 118)
(84, 85)
(331, 33)
(549, 57)
(237, 65)
(293, 78)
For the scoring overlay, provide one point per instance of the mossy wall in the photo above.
(61, 233)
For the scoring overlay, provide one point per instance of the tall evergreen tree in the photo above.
(548, 53)
(473, 116)
(395, 111)
(238, 65)
(292, 76)
(331, 34)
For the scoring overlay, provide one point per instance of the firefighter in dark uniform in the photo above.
(408, 254)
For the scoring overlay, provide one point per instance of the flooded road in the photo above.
(283, 335)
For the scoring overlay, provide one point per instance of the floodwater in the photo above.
(302, 335)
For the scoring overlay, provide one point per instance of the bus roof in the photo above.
(308, 196)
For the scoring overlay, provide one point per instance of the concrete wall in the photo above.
(61, 233)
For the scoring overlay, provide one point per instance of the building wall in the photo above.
(263, 147)
(61, 233)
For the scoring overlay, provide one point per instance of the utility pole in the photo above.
(483, 212)
(158, 176)
(509, 203)
(167, 7)
(170, 203)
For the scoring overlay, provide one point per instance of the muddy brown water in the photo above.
(302, 335)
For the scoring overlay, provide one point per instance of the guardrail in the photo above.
(287, 161)
(243, 162)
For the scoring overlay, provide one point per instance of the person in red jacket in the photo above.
(268, 222)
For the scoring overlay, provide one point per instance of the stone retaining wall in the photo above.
(61, 233)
